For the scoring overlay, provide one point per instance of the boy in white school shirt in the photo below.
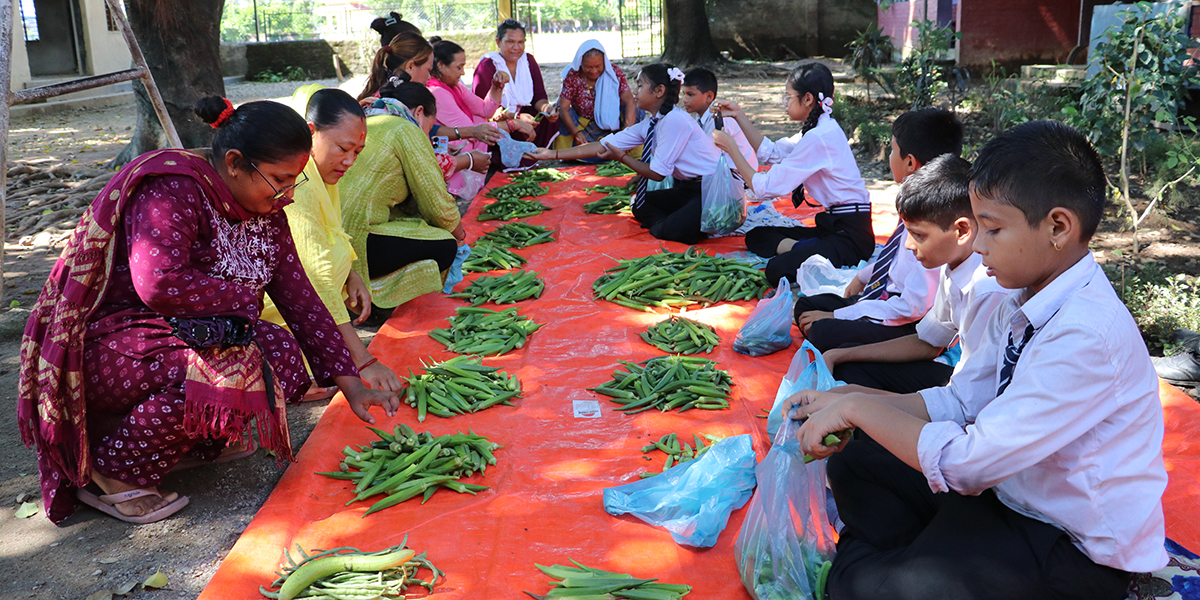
(1038, 472)
(941, 232)
(697, 94)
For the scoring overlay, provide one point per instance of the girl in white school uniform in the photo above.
(674, 145)
(819, 160)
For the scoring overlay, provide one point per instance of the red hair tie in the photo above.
(225, 114)
(387, 48)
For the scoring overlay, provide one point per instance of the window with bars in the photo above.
(29, 21)
(108, 16)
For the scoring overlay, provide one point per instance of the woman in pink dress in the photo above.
(458, 109)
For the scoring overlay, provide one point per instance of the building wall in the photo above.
(20, 60)
(897, 21)
(106, 50)
(1016, 32)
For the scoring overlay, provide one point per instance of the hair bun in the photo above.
(213, 110)
(433, 41)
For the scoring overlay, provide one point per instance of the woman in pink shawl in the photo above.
(459, 108)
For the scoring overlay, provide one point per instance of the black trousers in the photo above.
(843, 239)
(901, 378)
(834, 333)
(387, 254)
(903, 542)
(673, 214)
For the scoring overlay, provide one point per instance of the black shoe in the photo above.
(1188, 340)
(1182, 370)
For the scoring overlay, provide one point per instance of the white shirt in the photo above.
(820, 159)
(1076, 439)
(910, 291)
(966, 297)
(681, 149)
(706, 121)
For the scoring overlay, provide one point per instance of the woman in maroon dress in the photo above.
(524, 101)
(145, 345)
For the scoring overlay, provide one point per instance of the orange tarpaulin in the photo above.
(544, 504)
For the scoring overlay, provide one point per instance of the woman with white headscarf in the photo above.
(594, 96)
(523, 101)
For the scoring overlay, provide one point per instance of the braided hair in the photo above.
(816, 79)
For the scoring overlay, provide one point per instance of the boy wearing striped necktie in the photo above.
(1038, 471)
(890, 295)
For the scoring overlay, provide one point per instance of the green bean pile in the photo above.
(678, 335)
(507, 209)
(540, 176)
(677, 454)
(672, 279)
(582, 582)
(487, 256)
(518, 235)
(613, 168)
(613, 204)
(517, 190)
(619, 190)
(668, 383)
(485, 332)
(459, 386)
(503, 289)
(405, 464)
(349, 573)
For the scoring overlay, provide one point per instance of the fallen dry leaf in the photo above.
(26, 510)
(155, 581)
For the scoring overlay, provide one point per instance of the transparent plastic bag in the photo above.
(817, 275)
(807, 372)
(513, 151)
(723, 201)
(455, 273)
(769, 328)
(692, 500)
(785, 543)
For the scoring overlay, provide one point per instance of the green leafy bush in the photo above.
(292, 73)
(868, 52)
(1160, 302)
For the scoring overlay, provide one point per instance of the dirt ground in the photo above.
(92, 553)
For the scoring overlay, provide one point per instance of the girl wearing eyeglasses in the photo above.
(817, 160)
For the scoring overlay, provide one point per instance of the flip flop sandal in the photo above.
(191, 463)
(316, 394)
(107, 504)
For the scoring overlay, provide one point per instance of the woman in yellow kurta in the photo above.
(339, 135)
(403, 224)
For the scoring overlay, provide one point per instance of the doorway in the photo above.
(52, 36)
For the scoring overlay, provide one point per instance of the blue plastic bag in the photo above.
(785, 543)
(693, 500)
(769, 328)
(455, 274)
(722, 201)
(807, 372)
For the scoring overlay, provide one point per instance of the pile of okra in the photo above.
(668, 383)
(673, 279)
(405, 464)
(459, 386)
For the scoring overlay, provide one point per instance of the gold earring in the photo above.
(1056, 247)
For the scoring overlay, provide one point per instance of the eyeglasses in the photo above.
(787, 99)
(287, 188)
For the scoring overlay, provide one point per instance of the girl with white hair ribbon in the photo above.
(673, 146)
(817, 160)
(594, 96)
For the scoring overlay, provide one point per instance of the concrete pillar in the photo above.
(19, 65)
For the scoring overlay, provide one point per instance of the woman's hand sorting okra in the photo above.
(503, 289)
(405, 464)
(668, 383)
(485, 332)
(678, 335)
(459, 386)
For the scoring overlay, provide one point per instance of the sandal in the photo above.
(316, 393)
(190, 463)
(108, 504)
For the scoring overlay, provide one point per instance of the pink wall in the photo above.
(896, 20)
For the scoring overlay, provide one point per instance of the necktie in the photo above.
(639, 196)
(882, 271)
(1011, 354)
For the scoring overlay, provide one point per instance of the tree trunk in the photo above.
(688, 41)
(182, 45)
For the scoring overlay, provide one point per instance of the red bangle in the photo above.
(368, 363)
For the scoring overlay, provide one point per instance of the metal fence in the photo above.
(351, 21)
(641, 26)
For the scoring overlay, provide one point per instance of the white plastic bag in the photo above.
(817, 275)
(769, 328)
(785, 544)
(723, 201)
(807, 372)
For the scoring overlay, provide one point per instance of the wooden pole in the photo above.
(160, 108)
(6, 42)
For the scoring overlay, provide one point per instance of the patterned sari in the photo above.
(98, 354)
